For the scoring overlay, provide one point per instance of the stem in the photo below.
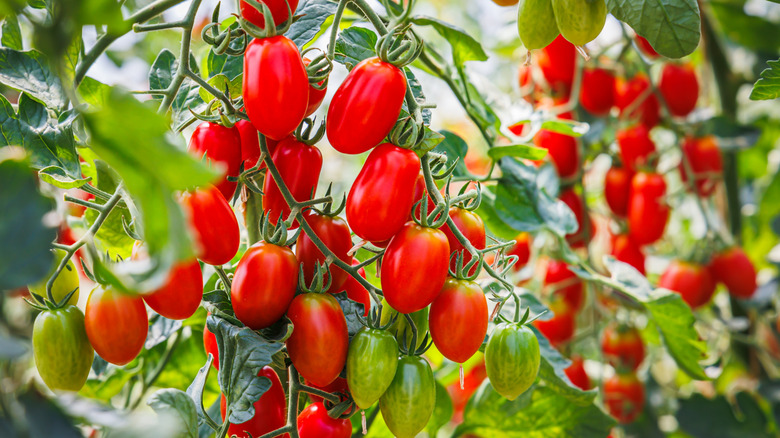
(320, 393)
(292, 403)
(147, 383)
(184, 58)
(335, 28)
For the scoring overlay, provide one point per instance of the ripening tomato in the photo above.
(264, 284)
(597, 92)
(116, 324)
(576, 373)
(314, 422)
(574, 202)
(62, 352)
(692, 281)
(414, 267)
(334, 233)
(299, 166)
(276, 86)
(734, 269)
(622, 347)
(521, 249)
(472, 227)
(645, 46)
(356, 291)
(214, 225)
(269, 410)
(408, 403)
(355, 122)
(318, 344)
(560, 328)
(636, 147)
(647, 209)
(679, 88)
(66, 282)
(563, 150)
(459, 319)
(211, 346)
(558, 62)
(512, 359)
(221, 145)
(250, 144)
(278, 10)
(371, 363)
(617, 188)
(703, 156)
(627, 95)
(180, 296)
(624, 396)
(316, 96)
(564, 284)
(382, 196)
(627, 251)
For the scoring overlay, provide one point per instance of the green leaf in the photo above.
(572, 128)
(230, 66)
(221, 82)
(29, 72)
(701, 416)
(456, 149)
(489, 214)
(517, 151)
(93, 91)
(464, 47)
(179, 407)
(768, 87)
(161, 75)
(196, 389)
(551, 371)
(43, 417)
(110, 383)
(12, 33)
(314, 14)
(56, 176)
(351, 309)
(353, 45)
(750, 30)
(673, 27)
(160, 329)
(111, 237)
(442, 410)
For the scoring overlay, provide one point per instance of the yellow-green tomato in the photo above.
(408, 402)
(66, 281)
(401, 328)
(512, 359)
(536, 23)
(580, 21)
(62, 352)
(371, 363)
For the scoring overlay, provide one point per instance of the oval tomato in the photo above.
(521, 249)
(221, 145)
(617, 188)
(355, 123)
(512, 359)
(334, 233)
(734, 269)
(558, 62)
(180, 296)
(627, 95)
(692, 281)
(356, 291)
(622, 347)
(563, 150)
(214, 225)
(645, 46)
(459, 319)
(647, 209)
(315, 96)
(576, 373)
(564, 284)
(116, 324)
(597, 92)
(703, 156)
(627, 251)
(250, 144)
(408, 403)
(624, 396)
(401, 329)
(679, 88)
(270, 410)
(211, 346)
(574, 202)
(471, 226)
(314, 422)
(636, 147)
(278, 10)
(371, 363)
(299, 166)
(65, 283)
(62, 352)
(560, 328)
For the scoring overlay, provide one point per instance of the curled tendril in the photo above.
(406, 133)
(328, 208)
(304, 131)
(400, 46)
(274, 234)
(318, 69)
(220, 40)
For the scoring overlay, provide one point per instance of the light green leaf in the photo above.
(221, 82)
(673, 27)
(464, 47)
(93, 91)
(179, 407)
(12, 33)
(517, 151)
(56, 176)
(768, 87)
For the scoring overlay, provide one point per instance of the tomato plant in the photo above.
(512, 359)
(221, 146)
(299, 165)
(334, 233)
(408, 402)
(269, 409)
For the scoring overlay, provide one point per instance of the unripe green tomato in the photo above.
(371, 363)
(580, 21)
(63, 284)
(401, 326)
(62, 352)
(536, 23)
(408, 402)
(512, 359)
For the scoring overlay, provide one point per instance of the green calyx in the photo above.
(320, 282)
(399, 47)
(270, 28)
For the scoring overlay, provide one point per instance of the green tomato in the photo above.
(401, 325)
(512, 359)
(371, 363)
(62, 352)
(580, 21)
(536, 23)
(63, 284)
(409, 401)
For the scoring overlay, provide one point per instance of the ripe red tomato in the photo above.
(276, 86)
(624, 396)
(563, 150)
(214, 225)
(278, 10)
(250, 144)
(419, 191)
(425, 249)
(318, 344)
(574, 201)
(627, 251)
(559, 329)
(734, 269)
(679, 88)
(564, 284)
(597, 92)
(628, 91)
(220, 145)
(355, 123)
(180, 296)
(338, 386)
(116, 324)
(264, 284)
(647, 209)
(622, 347)
(692, 281)
(315, 96)
(270, 410)
(314, 422)
(558, 62)
(211, 346)
(576, 373)
(471, 225)
(635, 147)
(471, 381)
(299, 166)
(617, 187)
(356, 291)
(382, 196)
(703, 155)
(522, 249)
(458, 319)
(646, 48)
(334, 233)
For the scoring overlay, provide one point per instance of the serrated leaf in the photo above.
(314, 14)
(518, 151)
(673, 27)
(768, 87)
(12, 33)
(464, 47)
(161, 75)
(58, 178)
(29, 72)
(179, 407)
(353, 45)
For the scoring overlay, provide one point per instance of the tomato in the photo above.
(471, 381)
(622, 347)
(116, 324)
(338, 386)
(65, 283)
(459, 319)
(408, 403)
(250, 144)
(269, 410)
(214, 225)
(629, 91)
(505, 2)
(703, 156)
(315, 96)
(264, 284)
(471, 226)
(522, 249)
(624, 396)
(425, 249)
(318, 344)
(645, 46)
(574, 202)
(211, 346)
(560, 328)
(334, 233)
(636, 147)
(278, 10)
(576, 373)
(564, 284)
(647, 209)
(692, 281)
(617, 187)
(62, 352)
(512, 359)
(382, 196)
(355, 123)
(679, 88)
(401, 329)
(627, 251)
(220, 145)
(597, 92)
(734, 269)
(314, 422)
(563, 150)
(558, 62)
(276, 86)
(358, 292)
(299, 165)
(180, 296)
(371, 363)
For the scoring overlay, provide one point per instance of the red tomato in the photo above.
(522, 249)
(214, 225)
(250, 144)
(211, 346)
(220, 145)
(574, 201)
(458, 319)
(564, 284)
(278, 10)
(264, 284)
(414, 267)
(558, 62)
(560, 328)
(355, 122)
(734, 269)
(617, 187)
(419, 191)
(576, 373)
(314, 422)
(270, 410)
(318, 344)
(628, 91)
(116, 324)
(563, 150)
(624, 396)
(180, 296)
(622, 347)
(382, 196)
(647, 209)
(646, 48)
(315, 96)
(635, 147)
(692, 281)
(299, 166)
(597, 92)
(703, 155)
(627, 251)
(334, 233)
(276, 86)
(338, 386)
(471, 225)
(356, 291)
(679, 88)
(472, 379)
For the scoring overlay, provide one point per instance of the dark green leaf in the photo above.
(12, 34)
(160, 77)
(551, 371)
(29, 72)
(179, 407)
(230, 66)
(493, 222)
(464, 47)
(314, 14)
(750, 30)
(44, 418)
(456, 149)
(350, 309)
(353, 45)
(196, 388)
(700, 417)
(768, 87)
(673, 27)
(517, 151)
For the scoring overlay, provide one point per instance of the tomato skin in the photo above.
(116, 324)
(617, 188)
(371, 363)
(624, 396)
(597, 94)
(512, 359)
(734, 269)
(647, 210)
(180, 296)
(559, 329)
(471, 226)
(572, 292)
(427, 250)
(356, 291)
(355, 123)
(574, 202)
(408, 403)
(522, 249)
(334, 233)
(276, 86)
(693, 282)
(563, 150)
(299, 165)
(314, 422)
(635, 147)
(703, 156)
(401, 328)
(269, 410)
(264, 284)
(558, 62)
(679, 88)
(646, 48)
(459, 319)
(211, 346)
(63, 354)
(382, 196)
(627, 251)
(278, 10)
(214, 225)
(66, 281)
(250, 144)
(576, 373)
(622, 347)
(627, 91)
(318, 344)
(220, 145)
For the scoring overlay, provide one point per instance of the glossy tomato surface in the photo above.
(213, 224)
(459, 319)
(647, 49)
(679, 88)
(617, 188)
(624, 396)
(408, 403)
(597, 92)
(627, 251)
(180, 297)
(116, 324)
(558, 63)
(250, 144)
(560, 328)
(334, 233)
(647, 209)
(270, 410)
(371, 363)
(636, 147)
(734, 269)
(563, 150)
(471, 226)
(512, 359)
(211, 346)
(62, 352)
(622, 347)
(221, 146)
(299, 165)
(692, 281)
(278, 8)
(314, 422)
(703, 157)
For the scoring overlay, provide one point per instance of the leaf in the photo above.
(58, 178)
(196, 388)
(12, 33)
(700, 416)
(551, 371)
(110, 383)
(221, 82)
(442, 410)
(313, 14)
(571, 128)
(464, 47)
(350, 309)
(44, 418)
(180, 408)
(353, 45)
(750, 30)
(160, 77)
(93, 91)
(455, 148)
(29, 72)
(111, 237)
(230, 66)
(493, 222)
(517, 151)
(768, 87)
(673, 27)
(160, 330)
